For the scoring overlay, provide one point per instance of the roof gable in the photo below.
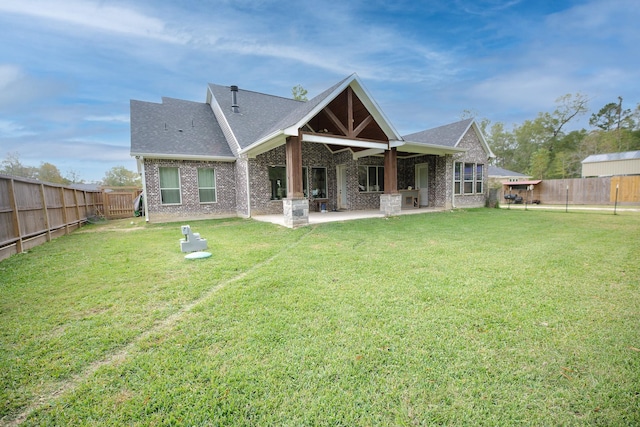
(449, 135)
(325, 98)
(265, 121)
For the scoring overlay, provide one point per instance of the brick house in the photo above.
(243, 153)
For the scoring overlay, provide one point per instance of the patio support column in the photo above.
(295, 207)
(391, 171)
(294, 167)
(391, 200)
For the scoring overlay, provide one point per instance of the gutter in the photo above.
(185, 157)
(261, 141)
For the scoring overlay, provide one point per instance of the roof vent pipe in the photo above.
(234, 99)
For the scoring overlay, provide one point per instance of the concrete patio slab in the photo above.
(336, 216)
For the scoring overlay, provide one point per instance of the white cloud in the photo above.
(115, 118)
(18, 90)
(10, 129)
(9, 74)
(94, 15)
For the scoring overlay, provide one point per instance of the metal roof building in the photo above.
(612, 164)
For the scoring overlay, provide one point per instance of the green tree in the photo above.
(11, 165)
(616, 120)
(613, 117)
(73, 177)
(119, 176)
(540, 163)
(48, 172)
(299, 93)
(503, 145)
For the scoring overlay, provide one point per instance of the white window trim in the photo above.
(326, 179)
(367, 186)
(179, 186)
(472, 180)
(462, 179)
(215, 188)
(286, 181)
(481, 181)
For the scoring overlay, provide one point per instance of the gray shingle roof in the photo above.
(261, 114)
(447, 135)
(258, 113)
(176, 127)
(626, 155)
(496, 171)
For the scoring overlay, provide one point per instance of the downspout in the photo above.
(453, 183)
(248, 190)
(144, 189)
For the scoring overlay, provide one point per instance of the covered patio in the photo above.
(340, 216)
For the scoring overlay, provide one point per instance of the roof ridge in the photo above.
(259, 93)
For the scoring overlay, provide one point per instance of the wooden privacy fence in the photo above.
(587, 191)
(33, 212)
(118, 201)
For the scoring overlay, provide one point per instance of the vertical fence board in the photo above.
(628, 189)
(47, 224)
(33, 212)
(15, 216)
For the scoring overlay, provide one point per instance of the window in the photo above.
(468, 178)
(457, 177)
(278, 180)
(371, 178)
(319, 182)
(305, 181)
(479, 179)
(207, 185)
(169, 186)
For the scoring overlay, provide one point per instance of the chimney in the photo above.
(234, 99)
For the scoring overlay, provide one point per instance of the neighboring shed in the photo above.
(612, 164)
(498, 175)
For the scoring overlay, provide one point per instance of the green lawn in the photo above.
(476, 317)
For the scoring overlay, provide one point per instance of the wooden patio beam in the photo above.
(362, 125)
(350, 112)
(336, 121)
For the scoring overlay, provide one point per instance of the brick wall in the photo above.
(242, 168)
(313, 155)
(190, 206)
(232, 198)
(475, 154)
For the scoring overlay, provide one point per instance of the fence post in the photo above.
(86, 206)
(75, 200)
(106, 204)
(46, 212)
(615, 206)
(566, 206)
(65, 217)
(16, 215)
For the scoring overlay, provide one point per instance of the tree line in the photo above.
(543, 148)
(117, 176)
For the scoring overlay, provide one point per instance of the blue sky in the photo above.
(68, 68)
